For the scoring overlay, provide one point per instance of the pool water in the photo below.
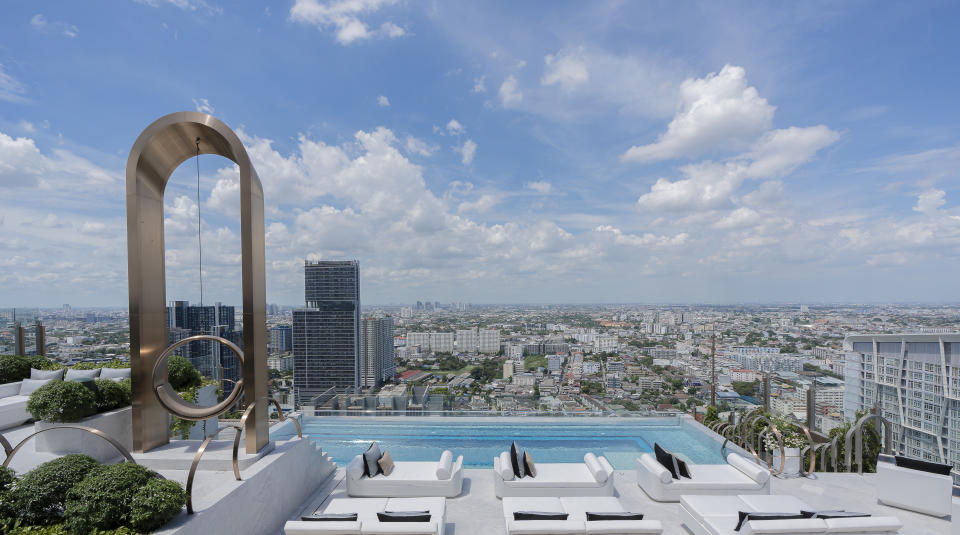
(479, 440)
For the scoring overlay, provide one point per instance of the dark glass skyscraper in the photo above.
(209, 358)
(326, 334)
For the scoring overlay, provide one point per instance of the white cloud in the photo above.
(566, 69)
(383, 101)
(41, 24)
(203, 105)
(779, 152)
(928, 202)
(186, 5)
(718, 112)
(467, 151)
(23, 165)
(454, 128)
(634, 240)
(27, 126)
(11, 90)
(509, 94)
(418, 146)
(344, 17)
(479, 85)
(741, 217)
(540, 186)
(482, 205)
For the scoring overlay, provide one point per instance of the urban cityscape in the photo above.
(383, 267)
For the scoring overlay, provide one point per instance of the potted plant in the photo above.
(793, 441)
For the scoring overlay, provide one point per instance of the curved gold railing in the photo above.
(119, 447)
(169, 398)
(856, 433)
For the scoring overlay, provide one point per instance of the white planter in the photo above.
(792, 463)
(117, 424)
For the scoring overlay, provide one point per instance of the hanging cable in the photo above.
(199, 226)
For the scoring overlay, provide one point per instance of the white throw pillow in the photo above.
(28, 386)
(506, 466)
(116, 374)
(82, 374)
(445, 466)
(46, 374)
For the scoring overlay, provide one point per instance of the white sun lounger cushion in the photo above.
(545, 527)
(505, 467)
(595, 467)
(623, 527)
(750, 469)
(799, 526)
(650, 464)
(869, 524)
(445, 466)
(299, 527)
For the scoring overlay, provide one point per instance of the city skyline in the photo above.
(637, 154)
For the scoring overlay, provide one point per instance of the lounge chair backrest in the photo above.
(650, 464)
(355, 468)
(445, 466)
(750, 469)
(595, 467)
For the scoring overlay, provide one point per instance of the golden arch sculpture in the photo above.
(157, 152)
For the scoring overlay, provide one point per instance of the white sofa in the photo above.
(718, 515)
(13, 406)
(367, 522)
(576, 523)
(738, 476)
(408, 479)
(592, 477)
(915, 490)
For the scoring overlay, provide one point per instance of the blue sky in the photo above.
(496, 152)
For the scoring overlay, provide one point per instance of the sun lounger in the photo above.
(738, 476)
(719, 515)
(914, 488)
(408, 479)
(556, 479)
(576, 508)
(368, 523)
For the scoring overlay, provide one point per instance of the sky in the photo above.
(495, 152)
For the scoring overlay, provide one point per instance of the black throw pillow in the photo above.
(619, 515)
(539, 515)
(665, 458)
(404, 516)
(330, 517)
(682, 469)
(519, 467)
(924, 466)
(834, 514)
(746, 516)
(370, 458)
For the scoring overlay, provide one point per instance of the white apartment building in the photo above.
(647, 382)
(441, 342)
(554, 363)
(591, 367)
(915, 380)
(745, 376)
(489, 341)
(282, 364)
(419, 339)
(524, 379)
(515, 352)
(606, 342)
(467, 340)
(508, 369)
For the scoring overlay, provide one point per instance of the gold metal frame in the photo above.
(119, 447)
(168, 397)
(157, 152)
(856, 431)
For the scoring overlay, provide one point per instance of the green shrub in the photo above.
(155, 504)
(43, 363)
(86, 366)
(40, 494)
(7, 476)
(13, 368)
(62, 401)
(181, 374)
(59, 529)
(116, 363)
(103, 499)
(112, 394)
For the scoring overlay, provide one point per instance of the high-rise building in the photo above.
(488, 341)
(441, 342)
(419, 339)
(467, 340)
(326, 334)
(376, 360)
(281, 339)
(209, 358)
(915, 380)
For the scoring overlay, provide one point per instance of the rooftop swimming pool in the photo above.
(479, 440)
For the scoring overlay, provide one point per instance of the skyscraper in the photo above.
(915, 380)
(326, 334)
(376, 362)
(209, 358)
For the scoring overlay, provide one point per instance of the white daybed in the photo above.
(592, 477)
(408, 479)
(576, 523)
(916, 490)
(14, 398)
(718, 515)
(367, 522)
(738, 476)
